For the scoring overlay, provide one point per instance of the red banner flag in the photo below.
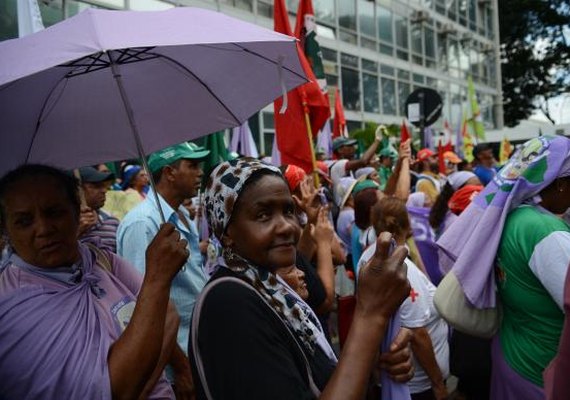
(440, 151)
(404, 132)
(291, 128)
(339, 128)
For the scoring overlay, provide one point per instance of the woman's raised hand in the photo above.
(323, 230)
(383, 283)
(166, 254)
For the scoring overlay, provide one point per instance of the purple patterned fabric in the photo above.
(424, 237)
(390, 389)
(532, 168)
(56, 328)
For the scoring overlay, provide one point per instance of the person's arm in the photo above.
(168, 344)
(323, 234)
(183, 383)
(382, 288)
(398, 184)
(423, 351)
(134, 356)
(365, 159)
(338, 251)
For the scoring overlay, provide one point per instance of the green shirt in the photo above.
(532, 321)
(385, 173)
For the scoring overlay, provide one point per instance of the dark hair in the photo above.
(156, 175)
(363, 203)
(440, 207)
(390, 215)
(67, 182)
(481, 147)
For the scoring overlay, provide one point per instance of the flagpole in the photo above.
(310, 138)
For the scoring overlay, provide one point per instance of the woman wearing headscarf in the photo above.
(77, 322)
(135, 180)
(512, 231)
(253, 336)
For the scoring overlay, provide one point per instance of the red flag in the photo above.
(290, 127)
(404, 133)
(339, 128)
(305, 8)
(440, 151)
(448, 133)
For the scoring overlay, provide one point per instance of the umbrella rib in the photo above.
(202, 83)
(39, 120)
(270, 60)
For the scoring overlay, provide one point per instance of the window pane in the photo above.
(268, 121)
(347, 14)
(371, 66)
(418, 78)
(401, 31)
(324, 11)
(347, 36)
(348, 60)
(403, 75)
(268, 148)
(366, 18)
(388, 96)
(328, 54)
(370, 87)
(384, 69)
(350, 89)
(429, 43)
(384, 21)
(403, 93)
(367, 43)
(417, 38)
(385, 49)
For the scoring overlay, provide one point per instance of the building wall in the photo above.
(376, 52)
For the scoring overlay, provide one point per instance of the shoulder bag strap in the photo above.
(194, 333)
(101, 258)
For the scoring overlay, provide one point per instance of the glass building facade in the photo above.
(375, 52)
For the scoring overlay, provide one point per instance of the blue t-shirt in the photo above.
(484, 174)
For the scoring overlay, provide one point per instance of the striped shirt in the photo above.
(104, 233)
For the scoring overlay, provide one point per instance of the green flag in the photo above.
(475, 121)
(216, 143)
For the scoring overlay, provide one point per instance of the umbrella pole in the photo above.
(134, 130)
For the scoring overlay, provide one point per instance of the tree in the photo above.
(535, 50)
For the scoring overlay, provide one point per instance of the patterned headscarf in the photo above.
(533, 167)
(224, 187)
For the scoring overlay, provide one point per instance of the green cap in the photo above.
(388, 152)
(365, 184)
(169, 155)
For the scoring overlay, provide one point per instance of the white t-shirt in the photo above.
(418, 311)
(338, 171)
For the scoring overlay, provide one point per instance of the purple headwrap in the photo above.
(472, 241)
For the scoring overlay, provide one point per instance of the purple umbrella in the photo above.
(111, 85)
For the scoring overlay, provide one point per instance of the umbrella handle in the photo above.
(134, 130)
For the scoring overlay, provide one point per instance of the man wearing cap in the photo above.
(95, 225)
(344, 150)
(451, 161)
(386, 168)
(177, 175)
(484, 163)
(428, 180)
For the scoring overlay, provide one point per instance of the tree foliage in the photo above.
(535, 49)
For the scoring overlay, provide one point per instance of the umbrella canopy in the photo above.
(75, 93)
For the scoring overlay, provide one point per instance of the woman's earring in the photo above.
(228, 254)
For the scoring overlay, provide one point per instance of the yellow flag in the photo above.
(505, 151)
(467, 141)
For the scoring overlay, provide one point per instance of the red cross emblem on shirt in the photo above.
(413, 295)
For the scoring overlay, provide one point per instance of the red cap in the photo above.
(294, 175)
(424, 154)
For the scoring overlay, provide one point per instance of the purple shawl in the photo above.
(52, 340)
(473, 239)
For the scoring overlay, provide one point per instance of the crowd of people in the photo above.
(242, 293)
